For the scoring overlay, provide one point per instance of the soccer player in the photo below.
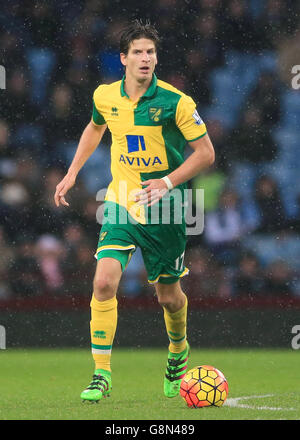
(150, 122)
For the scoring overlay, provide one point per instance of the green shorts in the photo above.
(162, 246)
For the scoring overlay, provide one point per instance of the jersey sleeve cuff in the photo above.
(192, 140)
(97, 118)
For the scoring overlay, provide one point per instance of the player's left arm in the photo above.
(194, 131)
(202, 157)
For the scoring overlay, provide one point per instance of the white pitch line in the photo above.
(234, 402)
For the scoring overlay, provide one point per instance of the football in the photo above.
(204, 386)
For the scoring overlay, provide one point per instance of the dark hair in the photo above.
(135, 31)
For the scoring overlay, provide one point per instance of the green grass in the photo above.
(46, 384)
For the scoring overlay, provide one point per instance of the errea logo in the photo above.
(99, 334)
(114, 111)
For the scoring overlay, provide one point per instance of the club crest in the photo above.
(102, 235)
(155, 114)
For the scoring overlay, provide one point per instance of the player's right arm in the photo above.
(88, 143)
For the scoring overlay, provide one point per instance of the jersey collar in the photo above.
(149, 92)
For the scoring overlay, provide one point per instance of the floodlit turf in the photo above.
(46, 384)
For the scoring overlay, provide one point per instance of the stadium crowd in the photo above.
(234, 58)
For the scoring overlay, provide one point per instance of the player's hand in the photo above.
(154, 190)
(62, 188)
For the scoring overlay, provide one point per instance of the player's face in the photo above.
(140, 60)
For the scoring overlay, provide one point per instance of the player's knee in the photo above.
(165, 301)
(172, 301)
(104, 287)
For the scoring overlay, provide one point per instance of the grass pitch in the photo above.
(45, 385)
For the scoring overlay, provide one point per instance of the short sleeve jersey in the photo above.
(148, 136)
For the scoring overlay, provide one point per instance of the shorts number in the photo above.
(179, 262)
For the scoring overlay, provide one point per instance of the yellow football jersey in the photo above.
(148, 136)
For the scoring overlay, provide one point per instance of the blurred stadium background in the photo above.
(235, 59)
